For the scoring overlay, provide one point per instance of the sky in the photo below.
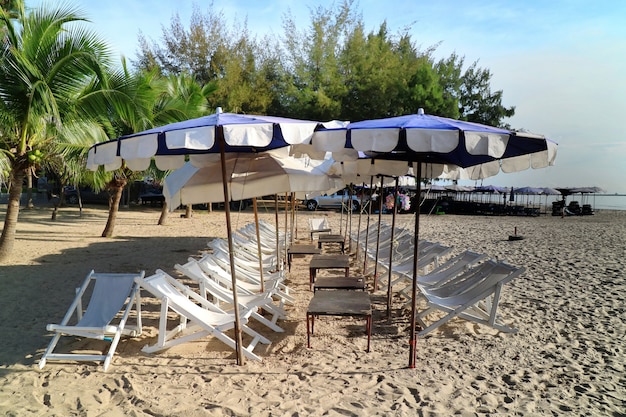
(561, 63)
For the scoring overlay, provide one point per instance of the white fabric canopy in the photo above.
(249, 175)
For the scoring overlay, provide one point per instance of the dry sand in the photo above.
(567, 359)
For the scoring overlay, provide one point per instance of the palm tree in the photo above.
(184, 98)
(50, 66)
(143, 100)
(71, 150)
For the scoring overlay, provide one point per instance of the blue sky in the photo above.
(561, 63)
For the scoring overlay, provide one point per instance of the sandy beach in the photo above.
(567, 358)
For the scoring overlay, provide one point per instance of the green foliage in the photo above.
(332, 69)
(471, 90)
(226, 61)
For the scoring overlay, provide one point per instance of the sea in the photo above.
(597, 201)
(602, 201)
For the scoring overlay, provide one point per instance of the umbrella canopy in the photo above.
(490, 189)
(459, 188)
(550, 191)
(439, 147)
(249, 175)
(528, 190)
(452, 149)
(170, 144)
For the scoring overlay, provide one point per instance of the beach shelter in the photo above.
(441, 147)
(527, 191)
(219, 133)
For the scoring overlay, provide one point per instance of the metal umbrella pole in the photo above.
(277, 231)
(258, 243)
(393, 230)
(367, 227)
(358, 227)
(231, 256)
(380, 219)
(412, 337)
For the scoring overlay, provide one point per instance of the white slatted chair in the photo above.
(210, 286)
(198, 316)
(105, 317)
(318, 225)
(251, 280)
(444, 272)
(475, 298)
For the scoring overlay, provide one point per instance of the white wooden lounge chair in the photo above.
(247, 272)
(246, 256)
(318, 225)
(451, 268)
(267, 233)
(402, 259)
(444, 272)
(474, 298)
(210, 287)
(198, 316)
(105, 317)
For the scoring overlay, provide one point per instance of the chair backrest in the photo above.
(318, 223)
(182, 299)
(107, 299)
(193, 270)
(485, 283)
(451, 268)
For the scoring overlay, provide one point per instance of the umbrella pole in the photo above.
(412, 338)
(287, 243)
(391, 244)
(349, 219)
(293, 215)
(258, 242)
(277, 230)
(380, 220)
(341, 215)
(367, 227)
(238, 341)
(358, 227)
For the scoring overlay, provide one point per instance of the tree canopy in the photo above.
(332, 69)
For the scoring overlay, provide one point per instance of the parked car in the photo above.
(87, 195)
(334, 201)
(152, 195)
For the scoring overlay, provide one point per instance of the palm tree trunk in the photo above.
(29, 190)
(7, 239)
(116, 187)
(163, 217)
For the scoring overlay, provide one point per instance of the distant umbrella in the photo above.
(528, 190)
(550, 191)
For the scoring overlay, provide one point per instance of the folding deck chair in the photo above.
(474, 298)
(318, 225)
(198, 316)
(112, 294)
(250, 277)
(210, 287)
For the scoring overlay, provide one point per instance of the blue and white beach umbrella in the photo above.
(438, 147)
